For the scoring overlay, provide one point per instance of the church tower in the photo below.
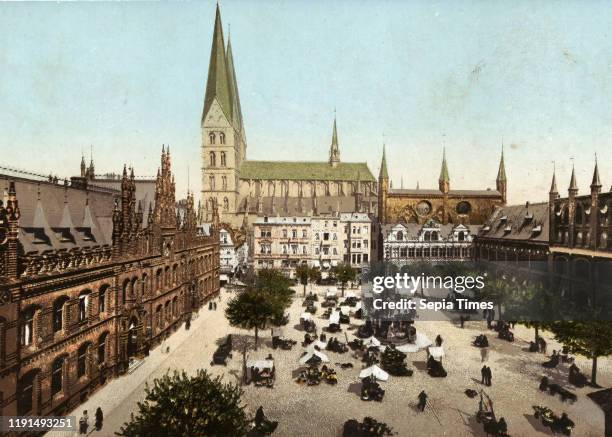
(334, 150)
(223, 138)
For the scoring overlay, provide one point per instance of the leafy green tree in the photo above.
(251, 309)
(497, 289)
(181, 405)
(303, 274)
(344, 273)
(533, 305)
(589, 338)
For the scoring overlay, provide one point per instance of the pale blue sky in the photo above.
(127, 77)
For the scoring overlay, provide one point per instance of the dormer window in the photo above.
(507, 229)
(504, 219)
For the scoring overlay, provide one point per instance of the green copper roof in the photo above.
(383, 167)
(596, 182)
(297, 170)
(444, 170)
(501, 173)
(217, 85)
(233, 85)
(553, 185)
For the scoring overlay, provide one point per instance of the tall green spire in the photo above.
(233, 85)
(217, 86)
(573, 185)
(334, 150)
(501, 173)
(383, 166)
(444, 170)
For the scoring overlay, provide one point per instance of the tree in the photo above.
(251, 309)
(589, 338)
(533, 305)
(184, 405)
(497, 289)
(303, 274)
(344, 273)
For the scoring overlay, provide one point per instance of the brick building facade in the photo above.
(90, 279)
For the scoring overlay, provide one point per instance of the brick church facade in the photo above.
(90, 279)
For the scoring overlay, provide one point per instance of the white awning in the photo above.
(421, 342)
(334, 317)
(325, 265)
(372, 341)
(331, 292)
(318, 343)
(306, 316)
(223, 277)
(309, 354)
(378, 373)
(437, 352)
(261, 364)
(345, 309)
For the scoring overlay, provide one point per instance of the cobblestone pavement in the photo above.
(321, 410)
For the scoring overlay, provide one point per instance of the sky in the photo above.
(123, 78)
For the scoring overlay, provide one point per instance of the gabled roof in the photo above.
(302, 170)
(527, 222)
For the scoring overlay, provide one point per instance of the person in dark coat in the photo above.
(84, 423)
(99, 418)
(483, 374)
(438, 340)
(259, 417)
(422, 400)
(489, 376)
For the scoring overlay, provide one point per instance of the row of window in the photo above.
(212, 157)
(428, 252)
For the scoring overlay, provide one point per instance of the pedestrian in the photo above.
(438, 341)
(83, 423)
(484, 354)
(422, 400)
(489, 376)
(259, 417)
(99, 418)
(483, 374)
(461, 320)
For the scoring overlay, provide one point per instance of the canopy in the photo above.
(306, 316)
(345, 309)
(331, 292)
(314, 353)
(261, 364)
(372, 341)
(378, 373)
(421, 342)
(277, 332)
(349, 294)
(437, 352)
(318, 343)
(334, 317)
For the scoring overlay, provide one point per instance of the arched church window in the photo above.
(213, 159)
(224, 182)
(221, 138)
(223, 161)
(463, 208)
(211, 180)
(225, 204)
(211, 137)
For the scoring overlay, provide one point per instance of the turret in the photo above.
(501, 181)
(12, 233)
(334, 150)
(594, 217)
(444, 179)
(571, 207)
(383, 188)
(553, 195)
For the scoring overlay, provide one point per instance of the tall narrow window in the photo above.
(221, 138)
(211, 180)
(224, 182)
(223, 160)
(213, 159)
(211, 137)
(82, 360)
(56, 376)
(102, 300)
(58, 313)
(83, 306)
(102, 348)
(225, 204)
(27, 331)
